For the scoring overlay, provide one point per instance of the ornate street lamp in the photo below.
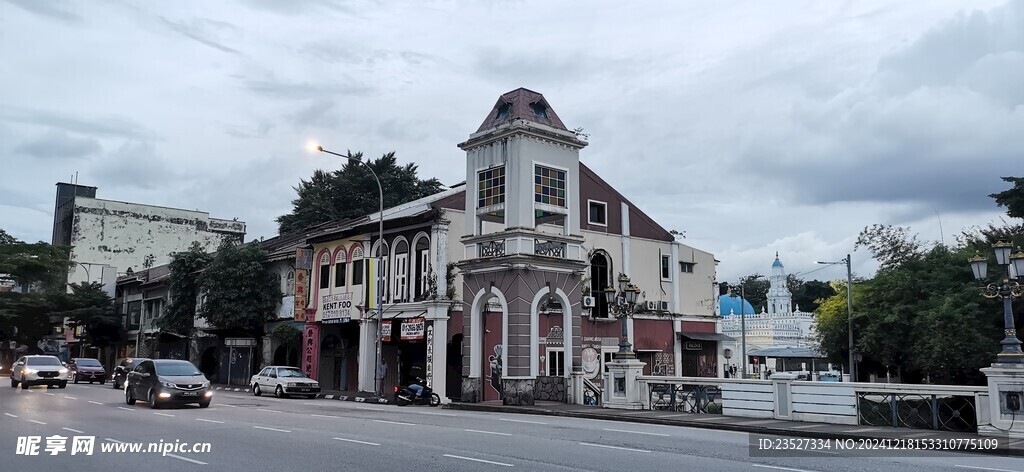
(1006, 290)
(623, 304)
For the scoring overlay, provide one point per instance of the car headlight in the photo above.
(168, 384)
(28, 371)
(206, 384)
(291, 384)
(63, 371)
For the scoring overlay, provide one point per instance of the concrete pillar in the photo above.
(782, 386)
(367, 355)
(439, 358)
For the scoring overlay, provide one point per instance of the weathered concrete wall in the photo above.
(126, 234)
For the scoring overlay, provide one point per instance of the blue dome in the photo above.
(777, 263)
(728, 305)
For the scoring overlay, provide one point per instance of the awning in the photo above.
(705, 336)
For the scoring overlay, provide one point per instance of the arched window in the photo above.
(600, 278)
(325, 270)
(422, 276)
(399, 289)
(340, 268)
(289, 283)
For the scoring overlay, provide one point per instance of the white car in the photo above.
(283, 381)
(39, 370)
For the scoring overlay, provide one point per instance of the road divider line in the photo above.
(326, 416)
(186, 459)
(164, 414)
(486, 432)
(123, 408)
(50, 394)
(982, 468)
(70, 398)
(209, 421)
(433, 413)
(113, 440)
(268, 411)
(357, 441)
(635, 432)
(12, 416)
(612, 447)
(230, 406)
(395, 422)
(73, 430)
(272, 429)
(521, 421)
(790, 469)
(478, 460)
(95, 403)
(36, 422)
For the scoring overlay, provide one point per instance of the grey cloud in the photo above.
(554, 66)
(134, 164)
(261, 130)
(50, 9)
(59, 145)
(318, 113)
(298, 8)
(105, 126)
(273, 88)
(202, 31)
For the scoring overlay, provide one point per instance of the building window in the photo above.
(134, 313)
(289, 283)
(686, 267)
(598, 213)
(549, 186)
(539, 110)
(339, 274)
(325, 271)
(556, 362)
(666, 274)
(600, 279)
(424, 268)
(492, 187)
(358, 266)
(401, 277)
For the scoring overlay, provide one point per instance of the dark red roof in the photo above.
(522, 104)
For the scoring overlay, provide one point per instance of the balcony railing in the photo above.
(549, 248)
(523, 242)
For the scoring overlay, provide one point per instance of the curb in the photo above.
(329, 396)
(766, 430)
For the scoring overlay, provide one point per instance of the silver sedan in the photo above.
(283, 381)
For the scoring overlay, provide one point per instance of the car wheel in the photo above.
(152, 401)
(205, 404)
(256, 389)
(74, 378)
(63, 384)
(114, 384)
(128, 398)
(14, 383)
(25, 385)
(279, 392)
(102, 381)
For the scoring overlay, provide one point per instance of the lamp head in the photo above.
(979, 265)
(1017, 262)
(312, 146)
(609, 295)
(1002, 249)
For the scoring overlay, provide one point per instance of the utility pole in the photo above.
(849, 314)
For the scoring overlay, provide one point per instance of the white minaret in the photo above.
(780, 300)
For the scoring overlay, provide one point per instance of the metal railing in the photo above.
(936, 411)
(686, 396)
(549, 248)
(592, 394)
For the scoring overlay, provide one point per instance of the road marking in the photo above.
(808, 426)
(113, 440)
(326, 416)
(486, 432)
(612, 447)
(862, 430)
(12, 416)
(73, 430)
(635, 432)
(780, 468)
(357, 442)
(36, 422)
(48, 393)
(433, 413)
(95, 403)
(478, 460)
(230, 406)
(163, 414)
(268, 411)
(521, 421)
(209, 421)
(982, 468)
(272, 429)
(186, 459)
(123, 408)
(70, 398)
(394, 422)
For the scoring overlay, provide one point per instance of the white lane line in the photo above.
(163, 414)
(612, 447)
(73, 430)
(357, 442)
(123, 408)
(186, 459)
(95, 403)
(12, 416)
(113, 440)
(272, 429)
(394, 422)
(982, 468)
(862, 430)
(268, 411)
(326, 416)
(70, 398)
(230, 406)
(486, 432)
(635, 432)
(521, 421)
(209, 421)
(48, 393)
(478, 460)
(36, 422)
(433, 413)
(775, 467)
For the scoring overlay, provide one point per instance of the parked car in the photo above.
(86, 369)
(283, 381)
(166, 381)
(39, 370)
(121, 370)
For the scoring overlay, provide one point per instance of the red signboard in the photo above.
(311, 350)
(385, 331)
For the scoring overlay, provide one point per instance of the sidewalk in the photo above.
(730, 423)
(360, 397)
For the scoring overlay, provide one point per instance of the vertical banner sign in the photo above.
(430, 355)
(311, 350)
(413, 329)
(371, 283)
(385, 331)
(303, 264)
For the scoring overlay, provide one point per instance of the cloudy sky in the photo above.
(754, 127)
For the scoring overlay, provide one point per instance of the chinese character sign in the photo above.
(385, 331)
(311, 350)
(301, 282)
(413, 329)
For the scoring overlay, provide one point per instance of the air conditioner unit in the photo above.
(662, 306)
(652, 306)
(589, 302)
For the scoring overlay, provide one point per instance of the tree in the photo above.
(240, 293)
(351, 192)
(90, 307)
(809, 293)
(6, 238)
(755, 290)
(889, 245)
(36, 263)
(1012, 199)
(184, 288)
(832, 328)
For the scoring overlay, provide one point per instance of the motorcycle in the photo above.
(405, 396)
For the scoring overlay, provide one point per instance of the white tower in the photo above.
(780, 299)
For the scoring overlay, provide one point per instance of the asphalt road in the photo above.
(248, 433)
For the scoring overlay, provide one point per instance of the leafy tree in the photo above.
(351, 192)
(1012, 199)
(755, 290)
(6, 238)
(890, 245)
(36, 263)
(809, 293)
(832, 329)
(240, 293)
(89, 306)
(184, 288)
(25, 317)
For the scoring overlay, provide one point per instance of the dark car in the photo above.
(122, 368)
(86, 369)
(167, 381)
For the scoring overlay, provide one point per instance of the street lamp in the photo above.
(849, 310)
(743, 323)
(380, 262)
(1006, 290)
(624, 305)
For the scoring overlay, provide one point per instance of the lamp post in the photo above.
(380, 260)
(623, 303)
(1006, 290)
(849, 310)
(743, 324)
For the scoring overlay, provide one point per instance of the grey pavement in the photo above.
(261, 433)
